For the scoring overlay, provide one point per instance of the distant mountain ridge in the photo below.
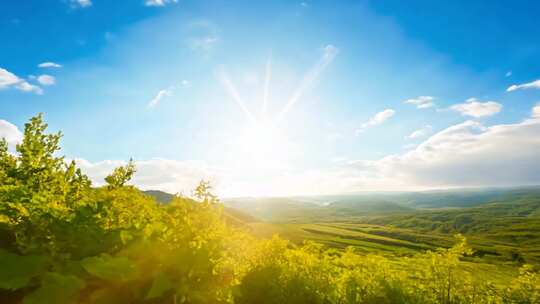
(463, 197)
(333, 207)
(160, 196)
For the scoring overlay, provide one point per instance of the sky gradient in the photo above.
(281, 97)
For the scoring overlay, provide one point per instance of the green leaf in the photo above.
(56, 289)
(125, 236)
(16, 271)
(160, 285)
(110, 268)
(111, 295)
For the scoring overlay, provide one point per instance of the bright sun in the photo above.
(259, 139)
(262, 147)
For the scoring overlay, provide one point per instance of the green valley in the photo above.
(501, 225)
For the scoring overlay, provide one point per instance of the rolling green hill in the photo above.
(303, 210)
(160, 196)
(501, 225)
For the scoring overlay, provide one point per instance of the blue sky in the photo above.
(379, 95)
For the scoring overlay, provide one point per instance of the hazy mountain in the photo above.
(160, 196)
(332, 207)
(432, 199)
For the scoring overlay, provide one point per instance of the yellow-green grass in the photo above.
(364, 238)
(384, 239)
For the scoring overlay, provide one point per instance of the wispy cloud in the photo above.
(203, 36)
(421, 102)
(27, 87)
(80, 3)
(46, 80)
(203, 43)
(426, 130)
(508, 74)
(10, 80)
(377, 119)
(159, 96)
(530, 85)
(159, 2)
(474, 108)
(49, 64)
(184, 84)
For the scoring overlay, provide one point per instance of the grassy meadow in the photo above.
(502, 226)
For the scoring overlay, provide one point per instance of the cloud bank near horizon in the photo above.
(468, 154)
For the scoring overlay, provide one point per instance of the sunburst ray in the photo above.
(266, 91)
(309, 79)
(231, 89)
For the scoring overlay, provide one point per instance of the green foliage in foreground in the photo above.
(63, 241)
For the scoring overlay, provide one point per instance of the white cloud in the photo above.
(46, 80)
(159, 2)
(474, 108)
(377, 119)
(508, 74)
(168, 92)
(49, 64)
(421, 132)
(421, 102)
(160, 95)
(10, 132)
(80, 3)
(10, 80)
(26, 87)
(530, 85)
(463, 155)
(155, 174)
(536, 111)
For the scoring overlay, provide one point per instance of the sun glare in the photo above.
(263, 146)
